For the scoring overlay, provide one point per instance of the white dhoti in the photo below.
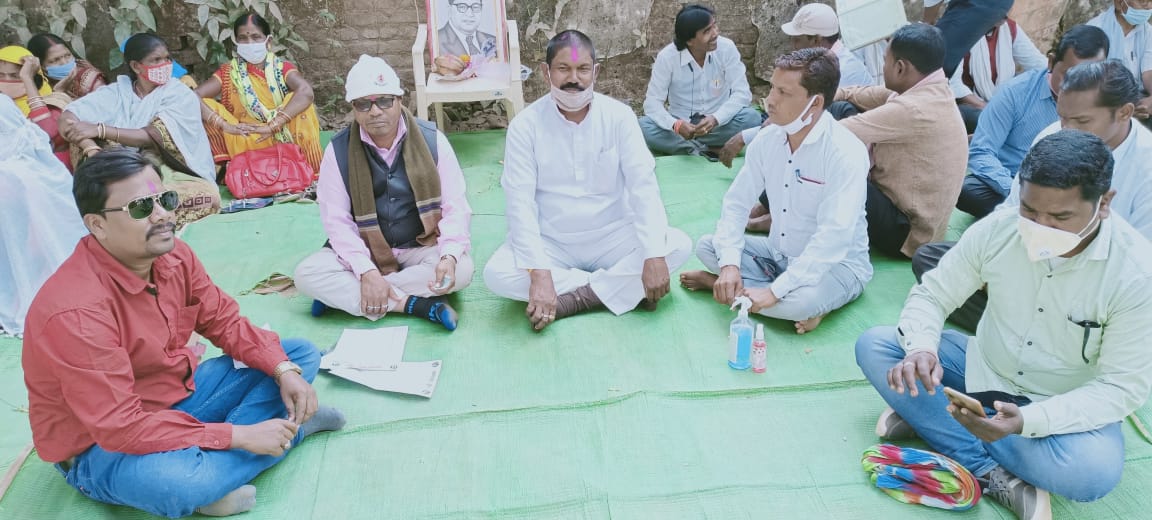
(612, 265)
(323, 276)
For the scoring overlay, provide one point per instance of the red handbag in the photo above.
(275, 170)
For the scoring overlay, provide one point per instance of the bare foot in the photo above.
(808, 325)
(762, 224)
(697, 280)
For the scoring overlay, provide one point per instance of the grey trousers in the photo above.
(759, 267)
(668, 142)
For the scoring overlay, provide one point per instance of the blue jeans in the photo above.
(175, 483)
(1080, 466)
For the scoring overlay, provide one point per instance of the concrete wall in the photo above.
(628, 34)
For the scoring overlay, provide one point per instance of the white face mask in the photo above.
(1044, 242)
(573, 101)
(254, 53)
(801, 122)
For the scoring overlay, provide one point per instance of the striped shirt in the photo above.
(1012, 119)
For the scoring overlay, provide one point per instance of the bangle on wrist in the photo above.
(90, 148)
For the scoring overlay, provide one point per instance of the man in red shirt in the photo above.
(117, 401)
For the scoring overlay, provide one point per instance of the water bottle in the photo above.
(740, 336)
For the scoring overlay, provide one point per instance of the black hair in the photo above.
(39, 44)
(920, 44)
(819, 71)
(251, 19)
(689, 21)
(91, 180)
(1085, 41)
(1113, 81)
(566, 40)
(138, 47)
(1070, 159)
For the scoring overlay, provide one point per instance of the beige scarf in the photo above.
(422, 174)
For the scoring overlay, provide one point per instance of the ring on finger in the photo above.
(286, 445)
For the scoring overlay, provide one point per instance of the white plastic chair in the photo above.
(432, 90)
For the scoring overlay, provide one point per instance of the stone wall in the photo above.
(628, 34)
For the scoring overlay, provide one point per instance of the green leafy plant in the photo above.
(64, 19)
(13, 19)
(215, 18)
(128, 18)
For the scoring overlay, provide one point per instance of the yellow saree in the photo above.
(303, 130)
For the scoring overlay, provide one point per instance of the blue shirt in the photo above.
(1008, 125)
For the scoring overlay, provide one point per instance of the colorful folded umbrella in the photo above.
(921, 477)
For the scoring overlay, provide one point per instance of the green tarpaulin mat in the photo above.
(636, 416)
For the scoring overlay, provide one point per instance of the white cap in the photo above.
(813, 20)
(369, 77)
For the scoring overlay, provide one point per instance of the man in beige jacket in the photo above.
(918, 141)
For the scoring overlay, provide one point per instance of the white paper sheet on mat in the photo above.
(368, 349)
(416, 378)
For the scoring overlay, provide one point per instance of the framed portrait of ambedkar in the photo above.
(473, 30)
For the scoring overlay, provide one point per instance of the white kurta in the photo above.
(583, 202)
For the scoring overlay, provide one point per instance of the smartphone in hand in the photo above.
(961, 400)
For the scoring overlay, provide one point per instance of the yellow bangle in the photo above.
(90, 148)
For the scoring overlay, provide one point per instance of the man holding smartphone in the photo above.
(1060, 355)
(698, 94)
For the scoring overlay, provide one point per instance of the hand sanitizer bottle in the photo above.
(759, 351)
(740, 336)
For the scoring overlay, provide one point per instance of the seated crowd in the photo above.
(835, 168)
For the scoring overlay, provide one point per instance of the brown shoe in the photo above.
(892, 427)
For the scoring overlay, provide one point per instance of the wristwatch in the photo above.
(285, 366)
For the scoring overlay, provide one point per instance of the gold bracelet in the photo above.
(100, 130)
(90, 148)
(117, 138)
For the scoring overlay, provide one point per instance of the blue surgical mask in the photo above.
(1135, 16)
(59, 72)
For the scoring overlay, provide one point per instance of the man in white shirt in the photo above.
(815, 25)
(995, 59)
(1126, 24)
(815, 173)
(585, 218)
(1099, 98)
(1060, 356)
(702, 80)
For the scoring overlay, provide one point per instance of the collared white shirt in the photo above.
(1137, 50)
(1027, 342)
(853, 72)
(1131, 178)
(719, 88)
(816, 196)
(576, 183)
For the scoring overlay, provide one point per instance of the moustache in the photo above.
(162, 228)
(572, 86)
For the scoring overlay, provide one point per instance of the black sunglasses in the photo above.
(143, 207)
(365, 104)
